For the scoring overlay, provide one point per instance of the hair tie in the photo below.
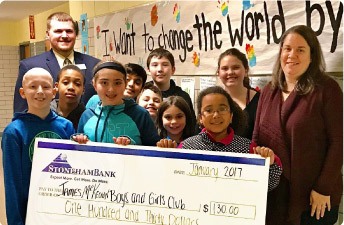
(110, 65)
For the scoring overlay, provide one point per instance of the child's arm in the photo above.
(15, 195)
(275, 170)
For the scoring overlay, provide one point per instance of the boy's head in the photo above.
(159, 53)
(70, 84)
(38, 89)
(136, 78)
(160, 64)
(150, 98)
(109, 81)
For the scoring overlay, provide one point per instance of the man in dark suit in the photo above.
(62, 31)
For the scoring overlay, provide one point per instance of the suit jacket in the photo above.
(48, 61)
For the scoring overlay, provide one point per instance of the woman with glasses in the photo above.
(220, 118)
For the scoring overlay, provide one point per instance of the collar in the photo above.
(226, 140)
(60, 58)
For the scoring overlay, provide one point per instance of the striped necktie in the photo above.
(67, 62)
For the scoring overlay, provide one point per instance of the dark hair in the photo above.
(239, 122)
(70, 67)
(64, 17)
(315, 70)
(114, 65)
(159, 53)
(138, 70)
(242, 57)
(181, 104)
(149, 86)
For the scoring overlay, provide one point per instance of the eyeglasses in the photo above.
(221, 110)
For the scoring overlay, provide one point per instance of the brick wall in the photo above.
(9, 63)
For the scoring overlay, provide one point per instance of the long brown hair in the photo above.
(181, 104)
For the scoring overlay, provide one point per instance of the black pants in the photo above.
(330, 217)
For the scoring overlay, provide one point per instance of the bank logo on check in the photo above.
(59, 162)
(61, 165)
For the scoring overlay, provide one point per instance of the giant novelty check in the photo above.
(99, 183)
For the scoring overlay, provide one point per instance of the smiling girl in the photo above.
(116, 119)
(220, 118)
(232, 70)
(174, 119)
